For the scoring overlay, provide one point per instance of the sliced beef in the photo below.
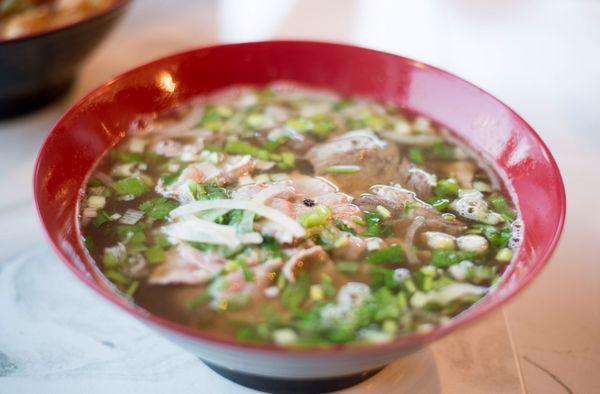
(396, 200)
(377, 159)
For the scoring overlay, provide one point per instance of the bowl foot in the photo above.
(14, 106)
(292, 386)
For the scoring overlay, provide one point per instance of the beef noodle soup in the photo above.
(294, 216)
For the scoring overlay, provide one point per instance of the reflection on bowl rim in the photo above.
(73, 24)
(399, 342)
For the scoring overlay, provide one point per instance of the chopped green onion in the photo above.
(504, 255)
(374, 224)
(155, 255)
(446, 188)
(327, 285)
(443, 151)
(132, 288)
(440, 203)
(383, 212)
(446, 258)
(169, 178)
(199, 299)
(391, 254)
(158, 208)
(341, 104)
(343, 169)
(358, 220)
(287, 161)
(316, 293)
(317, 216)
(346, 266)
(101, 218)
(500, 205)
(122, 156)
(415, 155)
(117, 277)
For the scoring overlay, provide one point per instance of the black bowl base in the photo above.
(293, 386)
(15, 106)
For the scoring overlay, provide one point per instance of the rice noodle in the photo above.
(409, 239)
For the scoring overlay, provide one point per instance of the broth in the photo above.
(295, 216)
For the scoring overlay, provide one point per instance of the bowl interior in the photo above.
(485, 124)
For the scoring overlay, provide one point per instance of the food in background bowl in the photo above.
(298, 217)
(38, 66)
(22, 17)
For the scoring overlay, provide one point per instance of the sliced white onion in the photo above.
(271, 214)
(412, 139)
(193, 229)
(131, 216)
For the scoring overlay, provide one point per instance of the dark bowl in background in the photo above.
(37, 68)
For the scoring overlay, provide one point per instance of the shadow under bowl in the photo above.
(482, 122)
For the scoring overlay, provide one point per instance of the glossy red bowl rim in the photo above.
(399, 343)
(54, 29)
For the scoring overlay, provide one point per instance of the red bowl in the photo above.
(488, 126)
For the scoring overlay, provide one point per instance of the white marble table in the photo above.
(539, 56)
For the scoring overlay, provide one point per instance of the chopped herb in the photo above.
(498, 237)
(89, 244)
(440, 203)
(170, 178)
(341, 104)
(199, 300)
(122, 156)
(246, 270)
(158, 208)
(287, 161)
(117, 277)
(294, 294)
(374, 225)
(446, 188)
(500, 205)
(132, 288)
(131, 234)
(392, 254)
(319, 125)
(327, 285)
(343, 226)
(132, 185)
(415, 155)
(243, 148)
(101, 218)
(446, 258)
(155, 255)
(318, 216)
(504, 255)
(442, 151)
(407, 207)
(93, 182)
(346, 266)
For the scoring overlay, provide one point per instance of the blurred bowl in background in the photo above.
(39, 67)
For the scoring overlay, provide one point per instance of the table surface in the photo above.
(540, 57)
